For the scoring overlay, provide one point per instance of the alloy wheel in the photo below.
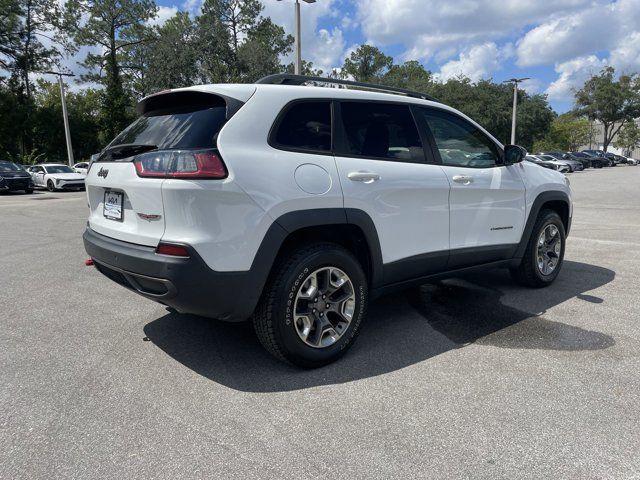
(324, 307)
(548, 249)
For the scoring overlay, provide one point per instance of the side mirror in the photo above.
(514, 154)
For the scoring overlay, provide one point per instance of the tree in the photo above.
(567, 133)
(84, 122)
(366, 64)
(25, 27)
(170, 59)
(307, 69)
(410, 75)
(609, 101)
(114, 26)
(628, 138)
(240, 44)
(490, 104)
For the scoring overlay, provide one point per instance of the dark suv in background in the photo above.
(14, 178)
(594, 161)
(600, 154)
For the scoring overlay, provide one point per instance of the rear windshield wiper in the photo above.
(125, 150)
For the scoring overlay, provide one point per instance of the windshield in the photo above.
(9, 167)
(58, 169)
(196, 129)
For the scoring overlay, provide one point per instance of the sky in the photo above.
(558, 43)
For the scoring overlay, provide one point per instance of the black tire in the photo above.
(50, 186)
(272, 318)
(29, 191)
(527, 273)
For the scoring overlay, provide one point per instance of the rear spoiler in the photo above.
(182, 101)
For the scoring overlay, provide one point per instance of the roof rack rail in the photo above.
(291, 79)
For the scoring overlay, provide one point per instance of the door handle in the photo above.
(464, 179)
(365, 177)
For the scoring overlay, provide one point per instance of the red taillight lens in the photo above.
(173, 250)
(194, 164)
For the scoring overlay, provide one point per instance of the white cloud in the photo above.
(572, 74)
(429, 27)
(163, 14)
(323, 47)
(477, 62)
(581, 43)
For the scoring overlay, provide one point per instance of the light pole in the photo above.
(515, 82)
(297, 66)
(65, 117)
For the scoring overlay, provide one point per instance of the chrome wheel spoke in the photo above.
(309, 288)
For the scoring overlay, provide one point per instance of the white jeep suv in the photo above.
(295, 205)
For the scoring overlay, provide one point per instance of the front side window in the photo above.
(380, 130)
(459, 142)
(306, 126)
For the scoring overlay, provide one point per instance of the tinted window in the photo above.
(459, 142)
(196, 129)
(9, 167)
(380, 130)
(306, 126)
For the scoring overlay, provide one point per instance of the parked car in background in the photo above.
(575, 165)
(632, 161)
(14, 178)
(56, 176)
(550, 165)
(81, 167)
(600, 154)
(615, 159)
(596, 162)
(549, 158)
(586, 162)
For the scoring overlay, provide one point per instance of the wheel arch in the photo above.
(557, 201)
(351, 228)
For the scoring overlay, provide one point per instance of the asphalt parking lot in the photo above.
(470, 378)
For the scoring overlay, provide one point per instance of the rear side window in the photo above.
(380, 130)
(183, 130)
(305, 126)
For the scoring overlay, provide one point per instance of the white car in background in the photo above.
(56, 176)
(632, 161)
(561, 165)
(81, 168)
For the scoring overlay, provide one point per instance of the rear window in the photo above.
(194, 129)
(305, 126)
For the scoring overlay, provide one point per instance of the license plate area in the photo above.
(113, 205)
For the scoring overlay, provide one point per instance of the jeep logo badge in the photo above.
(103, 172)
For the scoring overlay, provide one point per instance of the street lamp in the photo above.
(65, 117)
(297, 66)
(515, 82)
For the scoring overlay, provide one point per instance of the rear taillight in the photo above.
(173, 250)
(193, 164)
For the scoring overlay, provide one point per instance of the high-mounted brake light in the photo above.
(173, 250)
(193, 164)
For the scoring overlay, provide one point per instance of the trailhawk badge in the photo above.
(149, 217)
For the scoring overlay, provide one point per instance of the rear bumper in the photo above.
(186, 284)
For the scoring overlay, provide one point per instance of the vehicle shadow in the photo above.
(401, 330)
